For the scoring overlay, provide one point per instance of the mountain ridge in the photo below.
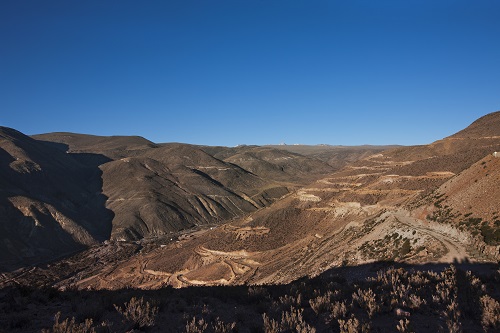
(257, 215)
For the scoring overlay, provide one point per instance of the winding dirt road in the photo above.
(455, 250)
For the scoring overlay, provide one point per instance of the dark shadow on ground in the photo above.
(35, 193)
(377, 296)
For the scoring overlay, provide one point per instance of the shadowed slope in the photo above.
(158, 189)
(51, 203)
(367, 211)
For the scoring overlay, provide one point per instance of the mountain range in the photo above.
(151, 215)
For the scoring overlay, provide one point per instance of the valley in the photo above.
(129, 214)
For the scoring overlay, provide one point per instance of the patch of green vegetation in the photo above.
(405, 248)
(491, 235)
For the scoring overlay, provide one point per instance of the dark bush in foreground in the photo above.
(445, 299)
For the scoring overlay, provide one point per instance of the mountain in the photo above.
(63, 192)
(273, 163)
(335, 156)
(486, 127)
(260, 215)
(155, 190)
(433, 203)
(50, 203)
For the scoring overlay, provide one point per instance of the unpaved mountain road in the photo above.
(455, 250)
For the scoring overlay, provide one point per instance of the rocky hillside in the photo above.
(425, 204)
(382, 208)
(50, 203)
(336, 156)
(62, 192)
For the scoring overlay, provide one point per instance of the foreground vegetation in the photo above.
(386, 299)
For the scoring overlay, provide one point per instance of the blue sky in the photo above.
(250, 71)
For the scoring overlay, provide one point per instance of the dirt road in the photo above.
(455, 250)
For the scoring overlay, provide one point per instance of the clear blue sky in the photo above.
(250, 71)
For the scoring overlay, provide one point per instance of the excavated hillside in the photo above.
(426, 204)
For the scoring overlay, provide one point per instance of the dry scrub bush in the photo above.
(404, 326)
(196, 326)
(221, 327)
(321, 304)
(291, 321)
(353, 325)
(367, 300)
(140, 313)
(418, 279)
(70, 326)
(452, 317)
(490, 317)
(447, 295)
(442, 294)
(339, 310)
(288, 301)
(395, 288)
(258, 293)
(400, 294)
(470, 291)
(446, 289)
(415, 302)
(270, 325)
(390, 276)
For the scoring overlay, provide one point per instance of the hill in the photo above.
(336, 156)
(400, 205)
(377, 208)
(69, 191)
(50, 203)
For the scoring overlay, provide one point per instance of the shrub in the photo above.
(221, 327)
(452, 317)
(405, 248)
(353, 325)
(321, 304)
(490, 235)
(196, 326)
(270, 325)
(490, 317)
(367, 300)
(404, 326)
(291, 321)
(339, 310)
(140, 313)
(70, 326)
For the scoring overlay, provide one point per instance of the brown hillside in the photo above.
(50, 203)
(360, 214)
(486, 126)
(375, 209)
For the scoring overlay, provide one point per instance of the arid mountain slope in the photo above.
(272, 163)
(84, 189)
(158, 189)
(398, 205)
(469, 203)
(336, 156)
(85, 143)
(50, 203)
(485, 127)
(371, 210)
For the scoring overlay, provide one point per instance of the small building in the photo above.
(496, 154)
